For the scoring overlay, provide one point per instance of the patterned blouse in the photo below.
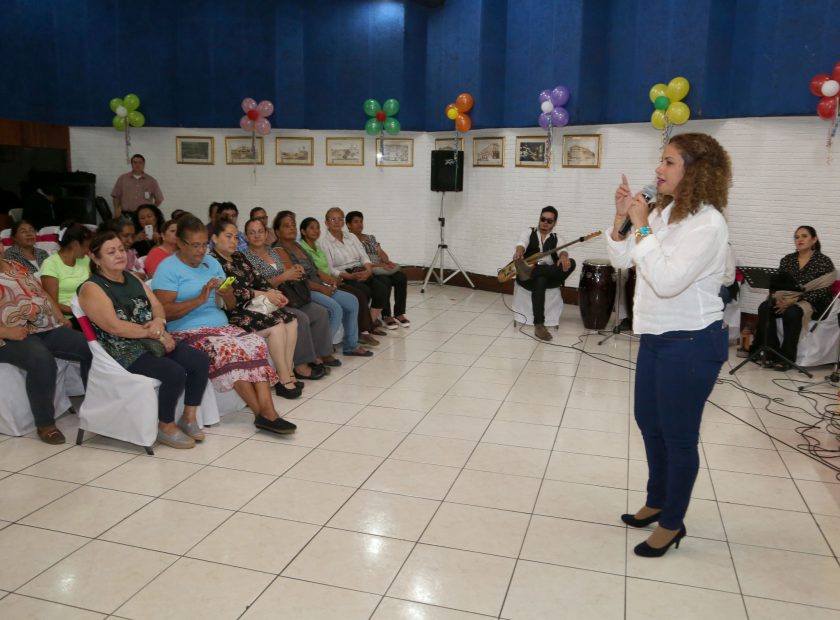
(371, 246)
(817, 266)
(130, 304)
(266, 269)
(15, 254)
(23, 303)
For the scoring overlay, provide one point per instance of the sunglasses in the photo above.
(547, 220)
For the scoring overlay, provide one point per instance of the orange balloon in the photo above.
(464, 102)
(463, 123)
(451, 112)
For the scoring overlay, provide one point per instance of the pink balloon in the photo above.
(246, 123)
(265, 108)
(248, 104)
(263, 126)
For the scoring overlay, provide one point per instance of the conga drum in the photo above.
(630, 292)
(596, 292)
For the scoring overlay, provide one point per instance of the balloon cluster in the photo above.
(382, 117)
(458, 112)
(254, 119)
(551, 104)
(827, 87)
(668, 101)
(126, 112)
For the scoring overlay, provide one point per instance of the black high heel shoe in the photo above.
(646, 551)
(632, 521)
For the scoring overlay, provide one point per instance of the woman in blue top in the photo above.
(187, 285)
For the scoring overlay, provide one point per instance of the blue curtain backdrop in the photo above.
(191, 62)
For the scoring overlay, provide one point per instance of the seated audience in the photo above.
(177, 214)
(815, 273)
(278, 327)
(213, 214)
(314, 351)
(310, 232)
(125, 230)
(258, 213)
(229, 211)
(24, 251)
(129, 323)
(33, 332)
(146, 215)
(167, 247)
(64, 271)
(342, 307)
(382, 267)
(187, 284)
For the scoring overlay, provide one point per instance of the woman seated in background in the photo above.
(167, 247)
(382, 267)
(24, 252)
(348, 260)
(130, 325)
(125, 231)
(277, 326)
(187, 284)
(34, 332)
(314, 351)
(64, 271)
(310, 232)
(342, 307)
(148, 222)
(258, 213)
(815, 273)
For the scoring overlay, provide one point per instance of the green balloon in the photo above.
(131, 102)
(115, 103)
(136, 119)
(392, 126)
(662, 102)
(373, 127)
(371, 107)
(119, 123)
(391, 107)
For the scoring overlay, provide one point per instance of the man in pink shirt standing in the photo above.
(135, 188)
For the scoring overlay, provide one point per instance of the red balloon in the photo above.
(835, 75)
(253, 115)
(380, 116)
(827, 108)
(464, 102)
(816, 83)
(463, 123)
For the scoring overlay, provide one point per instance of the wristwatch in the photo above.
(642, 232)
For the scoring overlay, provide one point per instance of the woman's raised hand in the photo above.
(623, 197)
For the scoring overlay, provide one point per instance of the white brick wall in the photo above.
(781, 180)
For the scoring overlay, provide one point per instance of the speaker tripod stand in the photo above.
(442, 251)
(616, 330)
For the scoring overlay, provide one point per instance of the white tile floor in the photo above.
(465, 471)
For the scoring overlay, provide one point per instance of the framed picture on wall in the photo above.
(447, 144)
(531, 151)
(195, 150)
(293, 151)
(582, 151)
(242, 150)
(396, 152)
(345, 151)
(489, 152)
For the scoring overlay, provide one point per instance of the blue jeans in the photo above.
(343, 309)
(675, 373)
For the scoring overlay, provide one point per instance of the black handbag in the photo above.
(297, 292)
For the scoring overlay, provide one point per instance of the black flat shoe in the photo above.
(299, 384)
(279, 426)
(290, 393)
(646, 551)
(322, 366)
(333, 363)
(314, 374)
(632, 521)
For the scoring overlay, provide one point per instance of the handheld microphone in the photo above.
(649, 193)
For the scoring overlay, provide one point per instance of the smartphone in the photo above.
(230, 280)
(150, 231)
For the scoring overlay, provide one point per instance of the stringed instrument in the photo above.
(523, 266)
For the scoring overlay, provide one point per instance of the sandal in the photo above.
(781, 366)
(359, 352)
(51, 435)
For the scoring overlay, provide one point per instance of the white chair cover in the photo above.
(820, 346)
(732, 317)
(47, 239)
(15, 413)
(523, 311)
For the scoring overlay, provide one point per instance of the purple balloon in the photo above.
(545, 96)
(559, 96)
(544, 120)
(560, 117)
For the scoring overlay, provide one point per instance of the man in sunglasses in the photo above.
(550, 272)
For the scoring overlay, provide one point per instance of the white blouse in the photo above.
(679, 269)
(345, 254)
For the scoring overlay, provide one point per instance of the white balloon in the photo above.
(547, 107)
(830, 88)
(121, 111)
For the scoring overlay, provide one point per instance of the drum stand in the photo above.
(443, 249)
(616, 330)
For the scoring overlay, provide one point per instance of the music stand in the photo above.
(774, 280)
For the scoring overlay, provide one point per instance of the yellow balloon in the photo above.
(677, 113)
(677, 89)
(452, 113)
(657, 90)
(657, 119)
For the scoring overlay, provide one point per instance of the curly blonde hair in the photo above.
(708, 175)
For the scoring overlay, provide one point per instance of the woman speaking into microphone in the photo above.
(679, 249)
